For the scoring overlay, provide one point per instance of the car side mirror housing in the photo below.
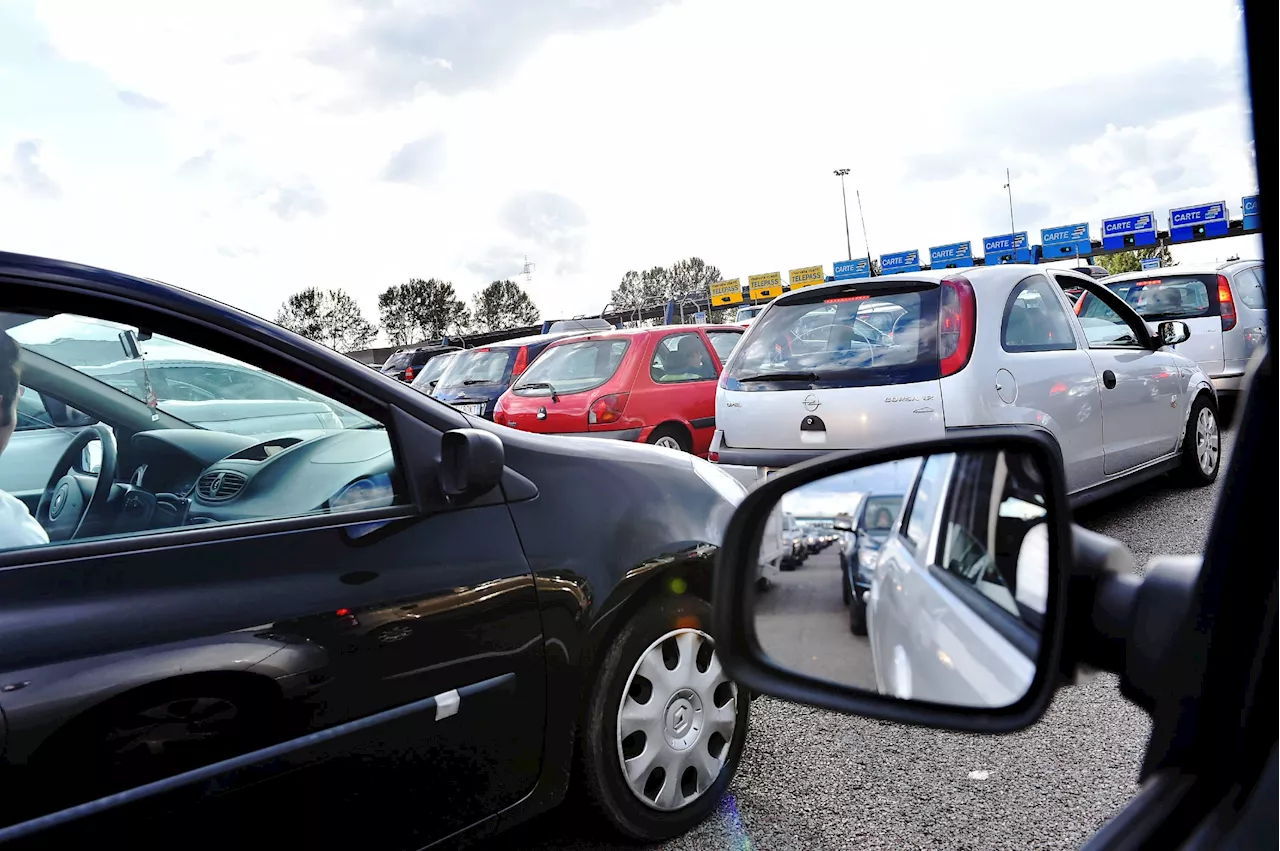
(471, 463)
(982, 540)
(63, 415)
(1172, 333)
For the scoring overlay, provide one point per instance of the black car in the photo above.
(870, 527)
(405, 364)
(410, 626)
(477, 377)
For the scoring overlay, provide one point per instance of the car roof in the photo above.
(623, 333)
(1187, 269)
(987, 275)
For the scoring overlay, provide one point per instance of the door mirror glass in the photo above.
(941, 596)
(63, 415)
(91, 458)
(1174, 332)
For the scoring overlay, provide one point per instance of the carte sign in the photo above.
(726, 292)
(806, 277)
(847, 269)
(768, 285)
(1188, 223)
(1128, 231)
(899, 261)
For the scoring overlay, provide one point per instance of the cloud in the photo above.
(417, 162)
(290, 202)
(26, 173)
(549, 221)
(197, 165)
(399, 50)
(137, 101)
(232, 252)
(497, 263)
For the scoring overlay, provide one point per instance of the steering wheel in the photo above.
(64, 511)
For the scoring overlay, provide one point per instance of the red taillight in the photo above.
(522, 361)
(713, 457)
(408, 373)
(607, 409)
(1226, 304)
(957, 322)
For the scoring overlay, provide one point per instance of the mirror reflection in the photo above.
(922, 579)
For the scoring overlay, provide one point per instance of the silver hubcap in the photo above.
(667, 443)
(1207, 441)
(676, 721)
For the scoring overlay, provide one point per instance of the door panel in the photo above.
(301, 630)
(1141, 413)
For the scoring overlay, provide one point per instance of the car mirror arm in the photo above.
(1123, 622)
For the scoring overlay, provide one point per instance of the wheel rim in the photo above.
(667, 442)
(1207, 441)
(676, 720)
(173, 726)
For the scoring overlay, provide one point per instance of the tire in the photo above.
(671, 437)
(857, 616)
(846, 593)
(670, 627)
(763, 584)
(1201, 445)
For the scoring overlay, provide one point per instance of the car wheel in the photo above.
(664, 725)
(671, 437)
(1202, 444)
(857, 615)
(846, 593)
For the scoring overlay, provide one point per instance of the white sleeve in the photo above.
(17, 527)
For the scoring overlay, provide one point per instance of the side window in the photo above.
(1249, 288)
(1103, 327)
(32, 414)
(681, 357)
(1034, 320)
(930, 488)
(724, 342)
(190, 446)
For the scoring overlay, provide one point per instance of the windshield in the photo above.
(477, 367)
(192, 384)
(745, 313)
(879, 514)
(433, 369)
(842, 341)
(398, 361)
(572, 368)
(1165, 297)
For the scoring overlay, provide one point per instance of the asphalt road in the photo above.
(814, 780)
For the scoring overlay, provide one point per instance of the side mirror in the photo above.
(63, 415)
(1172, 333)
(843, 524)
(956, 619)
(471, 463)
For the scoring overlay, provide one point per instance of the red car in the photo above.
(652, 385)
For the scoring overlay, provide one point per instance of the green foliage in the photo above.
(503, 305)
(418, 311)
(331, 317)
(1131, 261)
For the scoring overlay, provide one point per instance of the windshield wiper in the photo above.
(545, 385)
(782, 376)
(471, 381)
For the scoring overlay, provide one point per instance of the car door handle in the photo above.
(1108, 379)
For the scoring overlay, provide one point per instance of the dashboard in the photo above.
(192, 476)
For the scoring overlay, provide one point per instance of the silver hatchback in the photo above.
(869, 363)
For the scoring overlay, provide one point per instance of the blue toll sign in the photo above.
(1129, 231)
(1149, 263)
(1006, 248)
(954, 256)
(848, 269)
(899, 261)
(1198, 222)
(1252, 216)
(1065, 241)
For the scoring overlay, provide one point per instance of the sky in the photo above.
(842, 492)
(248, 150)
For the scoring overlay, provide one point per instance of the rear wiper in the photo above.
(471, 381)
(544, 385)
(782, 376)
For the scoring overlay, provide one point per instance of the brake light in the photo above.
(607, 409)
(408, 373)
(842, 299)
(713, 457)
(522, 361)
(957, 323)
(1226, 304)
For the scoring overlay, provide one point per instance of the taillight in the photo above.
(607, 409)
(408, 373)
(522, 361)
(1226, 304)
(957, 322)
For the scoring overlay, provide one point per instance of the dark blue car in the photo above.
(871, 528)
(477, 377)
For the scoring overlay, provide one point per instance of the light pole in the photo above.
(1009, 186)
(865, 242)
(848, 244)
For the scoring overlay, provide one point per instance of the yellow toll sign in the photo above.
(768, 285)
(806, 277)
(726, 292)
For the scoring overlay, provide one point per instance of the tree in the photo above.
(419, 310)
(684, 279)
(875, 268)
(503, 305)
(1131, 261)
(331, 317)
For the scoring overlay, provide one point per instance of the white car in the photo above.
(862, 364)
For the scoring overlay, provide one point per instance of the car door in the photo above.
(329, 636)
(1142, 409)
(682, 392)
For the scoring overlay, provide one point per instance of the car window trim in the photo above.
(1018, 288)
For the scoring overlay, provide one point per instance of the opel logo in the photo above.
(811, 403)
(59, 501)
(542, 413)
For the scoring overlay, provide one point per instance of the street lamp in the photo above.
(848, 244)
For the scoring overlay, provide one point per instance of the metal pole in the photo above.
(1009, 186)
(848, 243)
(866, 242)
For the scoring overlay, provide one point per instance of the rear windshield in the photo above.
(1165, 297)
(572, 368)
(477, 366)
(880, 513)
(433, 370)
(398, 361)
(842, 340)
